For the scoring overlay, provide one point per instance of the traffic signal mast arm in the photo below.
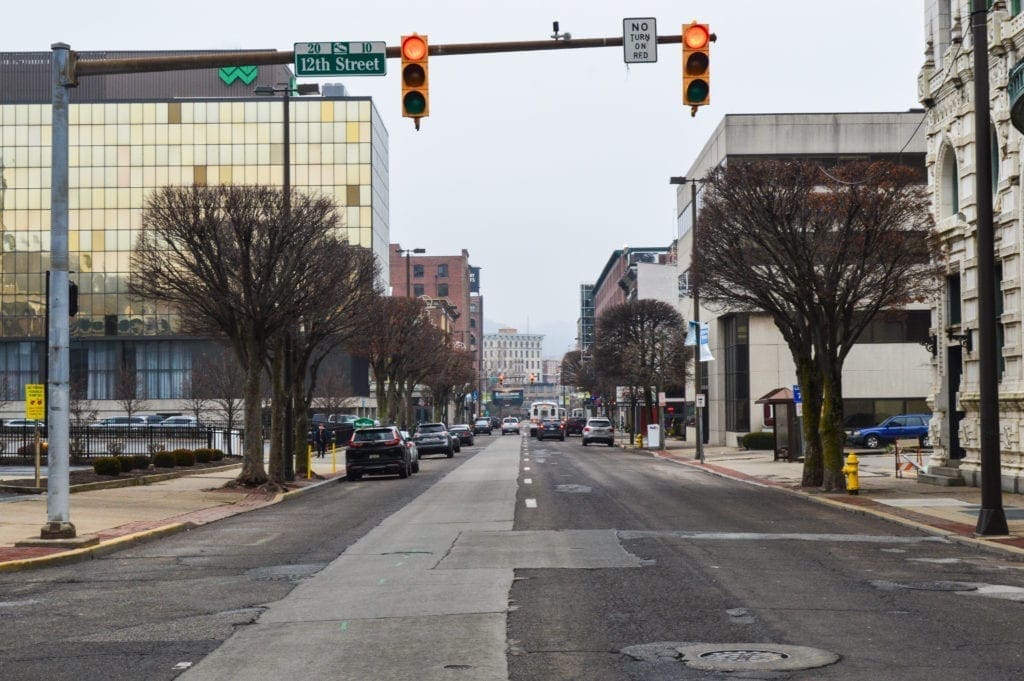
(395, 52)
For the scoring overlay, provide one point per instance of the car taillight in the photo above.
(390, 443)
(353, 443)
(587, 429)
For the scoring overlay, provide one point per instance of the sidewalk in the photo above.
(121, 516)
(948, 511)
(126, 515)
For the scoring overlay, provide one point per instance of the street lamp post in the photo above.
(697, 392)
(286, 90)
(408, 276)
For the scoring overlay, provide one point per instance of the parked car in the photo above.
(551, 428)
(23, 423)
(574, 425)
(412, 446)
(433, 438)
(181, 422)
(136, 421)
(482, 427)
(379, 450)
(463, 432)
(509, 424)
(899, 427)
(598, 430)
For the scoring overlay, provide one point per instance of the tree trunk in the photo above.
(382, 396)
(277, 416)
(253, 472)
(298, 443)
(831, 425)
(810, 389)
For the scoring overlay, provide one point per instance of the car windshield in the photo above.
(374, 434)
(483, 422)
(600, 423)
(459, 428)
(430, 428)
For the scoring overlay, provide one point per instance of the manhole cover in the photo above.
(285, 572)
(736, 657)
(744, 655)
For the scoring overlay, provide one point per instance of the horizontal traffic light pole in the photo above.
(96, 67)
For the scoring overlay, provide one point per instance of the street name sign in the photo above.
(639, 40)
(341, 59)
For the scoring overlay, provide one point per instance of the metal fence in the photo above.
(17, 444)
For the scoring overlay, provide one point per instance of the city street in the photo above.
(521, 560)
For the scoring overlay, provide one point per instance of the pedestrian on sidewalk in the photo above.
(321, 437)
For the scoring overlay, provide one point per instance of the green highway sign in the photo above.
(341, 59)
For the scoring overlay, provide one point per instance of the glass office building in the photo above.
(131, 134)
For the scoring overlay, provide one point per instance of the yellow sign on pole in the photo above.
(35, 401)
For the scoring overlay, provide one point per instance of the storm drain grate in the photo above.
(744, 656)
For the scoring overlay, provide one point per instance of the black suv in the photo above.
(379, 450)
(433, 438)
(551, 428)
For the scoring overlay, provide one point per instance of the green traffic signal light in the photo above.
(414, 103)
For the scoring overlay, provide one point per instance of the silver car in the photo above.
(599, 430)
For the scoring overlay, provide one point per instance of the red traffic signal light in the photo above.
(697, 39)
(415, 80)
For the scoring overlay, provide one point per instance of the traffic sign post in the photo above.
(35, 401)
(341, 59)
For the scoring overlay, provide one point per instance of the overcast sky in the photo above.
(541, 163)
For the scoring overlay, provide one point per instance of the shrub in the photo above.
(184, 457)
(204, 455)
(761, 440)
(127, 463)
(216, 455)
(140, 462)
(107, 465)
(30, 449)
(163, 460)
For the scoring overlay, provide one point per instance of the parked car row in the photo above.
(134, 421)
(388, 450)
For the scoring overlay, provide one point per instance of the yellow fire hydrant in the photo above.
(639, 441)
(852, 472)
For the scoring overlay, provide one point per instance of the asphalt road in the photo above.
(152, 611)
(733, 565)
(527, 561)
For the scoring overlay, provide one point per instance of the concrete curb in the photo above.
(115, 483)
(724, 472)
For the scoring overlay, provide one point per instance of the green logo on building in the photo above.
(246, 74)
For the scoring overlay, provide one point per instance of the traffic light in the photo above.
(415, 82)
(501, 379)
(533, 377)
(697, 41)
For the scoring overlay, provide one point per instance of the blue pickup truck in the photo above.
(899, 427)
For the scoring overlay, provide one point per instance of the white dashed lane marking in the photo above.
(527, 481)
(531, 503)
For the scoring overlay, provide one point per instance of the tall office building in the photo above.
(128, 135)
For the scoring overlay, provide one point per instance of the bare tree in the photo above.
(218, 375)
(240, 261)
(822, 252)
(635, 345)
(449, 378)
(197, 402)
(126, 391)
(5, 386)
(82, 413)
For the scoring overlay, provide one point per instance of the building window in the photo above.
(102, 371)
(897, 326)
(953, 296)
(737, 373)
(417, 290)
(442, 270)
(163, 370)
(949, 179)
(442, 290)
(20, 363)
(417, 271)
(472, 323)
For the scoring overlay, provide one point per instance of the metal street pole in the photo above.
(992, 518)
(697, 392)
